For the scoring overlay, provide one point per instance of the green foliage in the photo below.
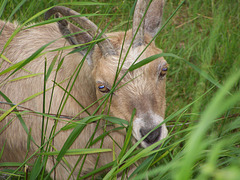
(203, 92)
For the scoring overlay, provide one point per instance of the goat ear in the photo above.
(153, 17)
(78, 37)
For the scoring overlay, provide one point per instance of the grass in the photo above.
(203, 89)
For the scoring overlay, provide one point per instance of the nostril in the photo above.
(152, 137)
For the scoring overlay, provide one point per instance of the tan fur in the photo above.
(144, 91)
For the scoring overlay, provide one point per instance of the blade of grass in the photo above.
(22, 25)
(25, 77)
(128, 136)
(71, 152)
(3, 5)
(213, 110)
(86, 4)
(74, 134)
(5, 58)
(37, 168)
(2, 149)
(21, 64)
(152, 58)
(50, 68)
(19, 5)
(98, 170)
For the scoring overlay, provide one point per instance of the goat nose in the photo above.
(153, 136)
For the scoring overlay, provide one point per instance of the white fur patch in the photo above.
(139, 123)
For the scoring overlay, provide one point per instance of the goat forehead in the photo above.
(138, 86)
(127, 58)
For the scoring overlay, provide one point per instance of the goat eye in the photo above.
(103, 88)
(163, 72)
(164, 69)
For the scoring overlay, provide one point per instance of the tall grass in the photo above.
(203, 91)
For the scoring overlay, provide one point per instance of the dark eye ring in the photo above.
(103, 88)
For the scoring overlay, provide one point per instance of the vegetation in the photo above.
(203, 87)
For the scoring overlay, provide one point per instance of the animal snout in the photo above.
(153, 136)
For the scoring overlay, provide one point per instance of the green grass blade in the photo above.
(10, 164)
(21, 64)
(86, 4)
(5, 58)
(51, 67)
(25, 77)
(22, 25)
(128, 136)
(116, 120)
(14, 66)
(2, 149)
(213, 110)
(71, 152)
(3, 5)
(98, 170)
(37, 168)
(103, 135)
(5, 114)
(31, 58)
(19, 5)
(152, 58)
(143, 166)
(72, 137)
(148, 60)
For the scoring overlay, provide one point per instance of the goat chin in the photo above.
(142, 89)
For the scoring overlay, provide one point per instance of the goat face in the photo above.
(142, 89)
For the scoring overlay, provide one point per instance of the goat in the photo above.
(142, 89)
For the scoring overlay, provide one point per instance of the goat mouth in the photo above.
(143, 125)
(153, 137)
(146, 144)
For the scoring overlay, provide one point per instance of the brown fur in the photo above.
(144, 91)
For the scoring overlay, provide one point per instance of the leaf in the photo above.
(1, 153)
(87, 4)
(21, 64)
(4, 3)
(60, 64)
(123, 155)
(51, 67)
(100, 137)
(6, 113)
(116, 120)
(152, 58)
(10, 164)
(74, 124)
(77, 152)
(135, 158)
(128, 136)
(32, 57)
(143, 166)
(74, 134)
(217, 106)
(16, 9)
(22, 25)
(14, 66)
(148, 60)
(37, 167)
(98, 170)
(5, 58)
(25, 77)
